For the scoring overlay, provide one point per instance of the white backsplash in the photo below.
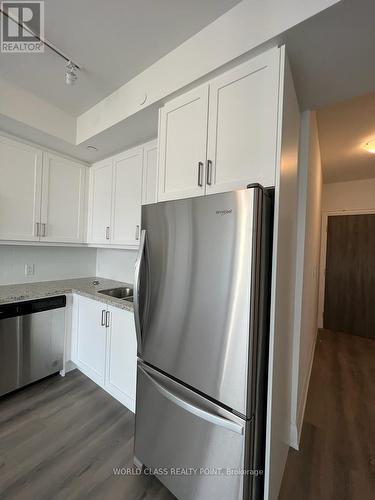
(50, 263)
(116, 264)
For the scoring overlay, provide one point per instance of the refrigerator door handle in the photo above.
(191, 408)
(138, 265)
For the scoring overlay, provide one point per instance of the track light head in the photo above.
(70, 73)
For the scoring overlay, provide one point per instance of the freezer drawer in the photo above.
(179, 429)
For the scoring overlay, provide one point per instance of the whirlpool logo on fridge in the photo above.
(22, 26)
(226, 211)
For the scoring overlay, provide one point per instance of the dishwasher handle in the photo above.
(31, 306)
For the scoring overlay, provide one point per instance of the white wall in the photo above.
(51, 263)
(246, 26)
(57, 263)
(307, 273)
(283, 289)
(116, 264)
(351, 195)
(23, 106)
(341, 197)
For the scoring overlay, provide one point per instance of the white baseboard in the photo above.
(121, 397)
(70, 366)
(296, 427)
(294, 436)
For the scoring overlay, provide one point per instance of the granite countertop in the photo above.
(80, 286)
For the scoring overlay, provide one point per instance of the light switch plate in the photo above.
(29, 269)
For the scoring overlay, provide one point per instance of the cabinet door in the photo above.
(20, 190)
(242, 133)
(91, 339)
(63, 200)
(121, 357)
(150, 173)
(100, 202)
(182, 143)
(127, 196)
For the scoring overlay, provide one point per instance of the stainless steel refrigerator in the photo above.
(201, 302)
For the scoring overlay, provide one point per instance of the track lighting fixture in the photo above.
(70, 73)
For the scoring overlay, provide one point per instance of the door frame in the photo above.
(323, 252)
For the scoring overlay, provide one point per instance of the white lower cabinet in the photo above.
(91, 339)
(121, 366)
(105, 347)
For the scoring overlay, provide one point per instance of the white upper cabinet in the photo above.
(182, 145)
(20, 190)
(118, 187)
(150, 173)
(127, 197)
(100, 202)
(242, 131)
(229, 124)
(42, 195)
(63, 200)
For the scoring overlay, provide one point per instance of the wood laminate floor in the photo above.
(336, 460)
(60, 440)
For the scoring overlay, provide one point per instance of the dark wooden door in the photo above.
(349, 304)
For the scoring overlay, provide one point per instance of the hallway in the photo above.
(336, 460)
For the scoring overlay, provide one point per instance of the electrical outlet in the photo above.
(29, 269)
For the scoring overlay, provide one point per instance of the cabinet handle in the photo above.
(209, 172)
(37, 225)
(107, 317)
(44, 228)
(137, 232)
(200, 174)
(107, 233)
(103, 317)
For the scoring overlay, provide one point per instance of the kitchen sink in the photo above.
(124, 293)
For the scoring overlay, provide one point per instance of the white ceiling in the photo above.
(137, 129)
(332, 54)
(344, 128)
(332, 58)
(113, 40)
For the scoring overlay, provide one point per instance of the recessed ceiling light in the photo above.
(370, 146)
(91, 148)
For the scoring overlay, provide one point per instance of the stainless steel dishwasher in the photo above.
(31, 341)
